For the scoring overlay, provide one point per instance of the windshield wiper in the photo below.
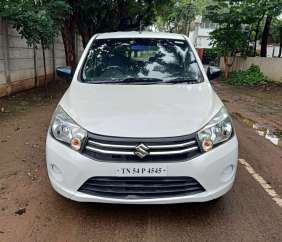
(141, 80)
(181, 80)
(116, 81)
(129, 80)
(146, 81)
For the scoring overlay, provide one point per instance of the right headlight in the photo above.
(66, 130)
(218, 130)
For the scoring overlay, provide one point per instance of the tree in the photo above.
(49, 14)
(253, 18)
(276, 33)
(35, 21)
(39, 21)
(179, 15)
(272, 9)
(256, 14)
(240, 25)
(89, 17)
(231, 36)
(280, 49)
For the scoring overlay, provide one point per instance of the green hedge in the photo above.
(251, 77)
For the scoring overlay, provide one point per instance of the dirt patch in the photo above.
(21, 103)
(23, 126)
(263, 105)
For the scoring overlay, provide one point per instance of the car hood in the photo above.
(141, 110)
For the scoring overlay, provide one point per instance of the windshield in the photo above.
(141, 61)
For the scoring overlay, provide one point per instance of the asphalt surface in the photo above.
(246, 213)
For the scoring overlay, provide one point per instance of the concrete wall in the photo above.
(21, 65)
(271, 67)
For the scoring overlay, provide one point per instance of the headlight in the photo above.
(218, 130)
(66, 130)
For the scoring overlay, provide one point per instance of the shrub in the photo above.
(251, 77)
(212, 56)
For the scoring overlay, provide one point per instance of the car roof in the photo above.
(136, 34)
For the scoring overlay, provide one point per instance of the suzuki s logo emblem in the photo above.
(141, 151)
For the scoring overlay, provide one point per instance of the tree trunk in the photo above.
(280, 49)
(256, 35)
(35, 66)
(255, 41)
(68, 35)
(188, 27)
(44, 66)
(85, 32)
(265, 35)
(122, 10)
(226, 65)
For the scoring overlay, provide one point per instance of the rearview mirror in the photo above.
(213, 73)
(64, 72)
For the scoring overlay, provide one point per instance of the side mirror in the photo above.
(213, 72)
(64, 72)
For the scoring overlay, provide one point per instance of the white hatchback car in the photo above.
(141, 124)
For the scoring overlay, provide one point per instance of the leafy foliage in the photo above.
(212, 56)
(178, 15)
(231, 35)
(37, 22)
(91, 17)
(251, 77)
(275, 32)
(240, 23)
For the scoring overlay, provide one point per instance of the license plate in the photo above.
(142, 171)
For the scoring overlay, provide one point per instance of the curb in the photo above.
(271, 134)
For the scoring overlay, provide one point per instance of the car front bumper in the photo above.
(214, 170)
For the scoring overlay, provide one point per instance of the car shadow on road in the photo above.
(170, 213)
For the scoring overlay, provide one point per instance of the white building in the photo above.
(200, 37)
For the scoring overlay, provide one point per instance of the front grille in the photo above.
(141, 187)
(106, 148)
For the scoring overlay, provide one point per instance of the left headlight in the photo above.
(218, 130)
(66, 130)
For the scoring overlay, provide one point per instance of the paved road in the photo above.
(246, 213)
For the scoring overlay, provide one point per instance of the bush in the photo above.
(212, 56)
(251, 77)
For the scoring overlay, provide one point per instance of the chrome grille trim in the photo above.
(122, 149)
(111, 145)
(115, 152)
(172, 146)
(149, 146)
(174, 152)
